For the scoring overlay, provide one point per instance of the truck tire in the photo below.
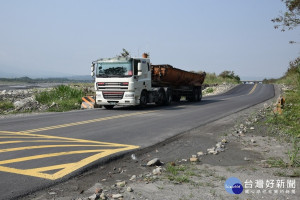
(143, 98)
(200, 94)
(168, 97)
(109, 107)
(193, 97)
(161, 97)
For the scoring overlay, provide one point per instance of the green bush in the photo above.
(212, 78)
(209, 90)
(5, 105)
(61, 98)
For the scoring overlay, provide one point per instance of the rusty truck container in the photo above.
(166, 75)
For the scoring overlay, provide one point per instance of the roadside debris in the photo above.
(154, 161)
(157, 171)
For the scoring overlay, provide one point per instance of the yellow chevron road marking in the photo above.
(96, 151)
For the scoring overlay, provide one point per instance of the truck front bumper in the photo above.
(129, 99)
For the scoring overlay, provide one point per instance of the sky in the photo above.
(62, 37)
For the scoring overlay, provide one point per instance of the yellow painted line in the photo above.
(254, 87)
(49, 146)
(68, 168)
(36, 141)
(13, 137)
(101, 150)
(69, 139)
(7, 132)
(84, 122)
(48, 155)
(11, 142)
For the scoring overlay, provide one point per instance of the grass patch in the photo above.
(6, 105)
(174, 170)
(276, 162)
(61, 98)
(208, 91)
(177, 173)
(179, 179)
(288, 122)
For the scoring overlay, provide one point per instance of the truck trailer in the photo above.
(128, 81)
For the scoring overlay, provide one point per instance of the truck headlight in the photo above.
(130, 95)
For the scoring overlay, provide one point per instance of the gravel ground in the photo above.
(247, 146)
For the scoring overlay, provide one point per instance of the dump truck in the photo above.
(128, 81)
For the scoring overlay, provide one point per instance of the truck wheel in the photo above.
(161, 97)
(200, 94)
(192, 97)
(168, 97)
(143, 98)
(109, 107)
(195, 95)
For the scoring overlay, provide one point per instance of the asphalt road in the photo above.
(40, 150)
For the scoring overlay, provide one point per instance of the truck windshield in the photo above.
(114, 69)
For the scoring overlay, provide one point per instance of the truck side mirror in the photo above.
(93, 70)
(140, 69)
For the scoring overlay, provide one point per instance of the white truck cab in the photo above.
(121, 81)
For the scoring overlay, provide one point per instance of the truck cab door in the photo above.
(142, 74)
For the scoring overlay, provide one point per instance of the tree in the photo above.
(291, 18)
(230, 75)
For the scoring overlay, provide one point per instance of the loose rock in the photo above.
(224, 141)
(52, 193)
(133, 178)
(246, 159)
(153, 162)
(121, 184)
(93, 197)
(103, 196)
(193, 159)
(157, 171)
(129, 189)
(117, 196)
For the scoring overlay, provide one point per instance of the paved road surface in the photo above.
(40, 150)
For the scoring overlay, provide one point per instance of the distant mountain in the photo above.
(81, 78)
(25, 79)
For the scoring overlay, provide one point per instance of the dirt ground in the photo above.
(244, 155)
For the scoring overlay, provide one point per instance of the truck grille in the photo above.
(113, 95)
(113, 86)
